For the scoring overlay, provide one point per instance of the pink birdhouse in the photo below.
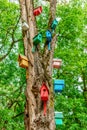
(44, 93)
(57, 63)
(37, 11)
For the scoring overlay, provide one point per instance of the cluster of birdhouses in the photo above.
(38, 38)
(58, 85)
(58, 118)
(37, 11)
(23, 62)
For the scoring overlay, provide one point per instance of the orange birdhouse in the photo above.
(23, 61)
(57, 63)
(44, 92)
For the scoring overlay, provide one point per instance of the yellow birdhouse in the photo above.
(23, 61)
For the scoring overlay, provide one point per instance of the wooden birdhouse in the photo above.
(58, 121)
(23, 61)
(54, 24)
(58, 118)
(58, 85)
(48, 35)
(37, 11)
(25, 26)
(58, 115)
(37, 39)
(57, 63)
(44, 92)
(49, 38)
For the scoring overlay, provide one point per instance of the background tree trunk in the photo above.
(39, 71)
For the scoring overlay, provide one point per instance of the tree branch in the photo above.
(12, 43)
(17, 115)
(9, 50)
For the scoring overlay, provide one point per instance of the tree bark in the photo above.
(39, 71)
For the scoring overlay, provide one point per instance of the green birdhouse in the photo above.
(37, 39)
(58, 121)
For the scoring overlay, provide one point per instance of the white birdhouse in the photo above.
(25, 26)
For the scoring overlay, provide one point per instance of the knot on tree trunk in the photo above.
(40, 122)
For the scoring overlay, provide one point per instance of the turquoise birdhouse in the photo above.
(58, 121)
(37, 39)
(58, 115)
(58, 118)
(54, 24)
(59, 85)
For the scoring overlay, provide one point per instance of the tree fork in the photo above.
(39, 71)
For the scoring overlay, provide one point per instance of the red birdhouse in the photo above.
(37, 11)
(44, 92)
(57, 63)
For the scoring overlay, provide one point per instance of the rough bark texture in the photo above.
(39, 71)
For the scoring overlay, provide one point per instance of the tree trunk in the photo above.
(39, 71)
(84, 86)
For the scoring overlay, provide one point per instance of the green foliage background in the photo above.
(71, 47)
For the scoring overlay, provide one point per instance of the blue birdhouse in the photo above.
(54, 24)
(49, 38)
(58, 121)
(58, 85)
(48, 35)
(37, 39)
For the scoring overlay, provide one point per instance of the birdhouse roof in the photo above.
(57, 60)
(48, 32)
(59, 81)
(39, 34)
(22, 57)
(44, 85)
(38, 7)
(58, 114)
